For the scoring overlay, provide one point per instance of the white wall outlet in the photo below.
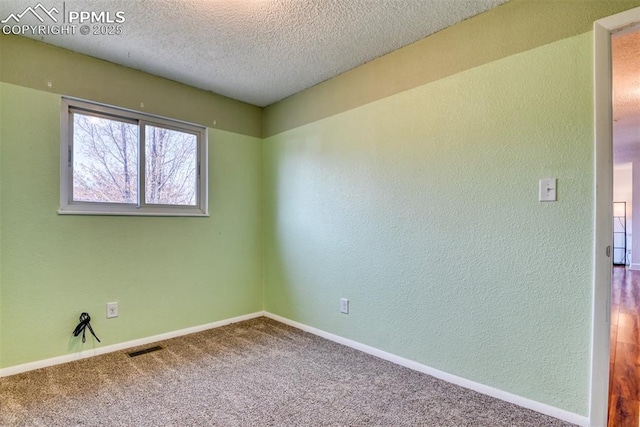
(344, 305)
(112, 310)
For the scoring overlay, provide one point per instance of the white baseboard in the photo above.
(17, 369)
(472, 385)
(480, 388)
(634, 266)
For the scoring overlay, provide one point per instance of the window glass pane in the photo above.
(105, 159)
(171, 160)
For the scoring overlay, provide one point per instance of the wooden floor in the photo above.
(624, 382)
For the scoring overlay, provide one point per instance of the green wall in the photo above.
(1, 135)
(422, 209)
(511, 28)
(166, 273)
(30, 63)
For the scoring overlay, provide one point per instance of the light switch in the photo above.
(548, 190)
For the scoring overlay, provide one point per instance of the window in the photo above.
(121, 162)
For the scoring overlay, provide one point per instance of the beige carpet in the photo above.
(254, 373)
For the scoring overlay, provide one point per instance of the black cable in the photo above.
(84, 323)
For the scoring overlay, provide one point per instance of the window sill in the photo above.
(132, 213)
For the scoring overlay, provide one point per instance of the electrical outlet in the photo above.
(112, 310)
(344, 306)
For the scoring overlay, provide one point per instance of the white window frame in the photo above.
(70, 207)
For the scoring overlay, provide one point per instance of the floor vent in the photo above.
(144, 351)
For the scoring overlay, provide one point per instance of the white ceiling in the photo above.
(257, 51)
(626, 96)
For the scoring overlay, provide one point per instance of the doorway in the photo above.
(624, 373)
(604, 30)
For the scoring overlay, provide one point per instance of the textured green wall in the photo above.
(166, 273)
(30, 63)
(421, 208)
(514, 27)
(1, 135)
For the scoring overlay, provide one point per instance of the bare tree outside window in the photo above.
(170, 166)
(105, 159)
(105, 163)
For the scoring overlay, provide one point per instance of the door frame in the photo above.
(603, 206)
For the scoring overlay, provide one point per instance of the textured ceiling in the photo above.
(626, 96)
(257, 51)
